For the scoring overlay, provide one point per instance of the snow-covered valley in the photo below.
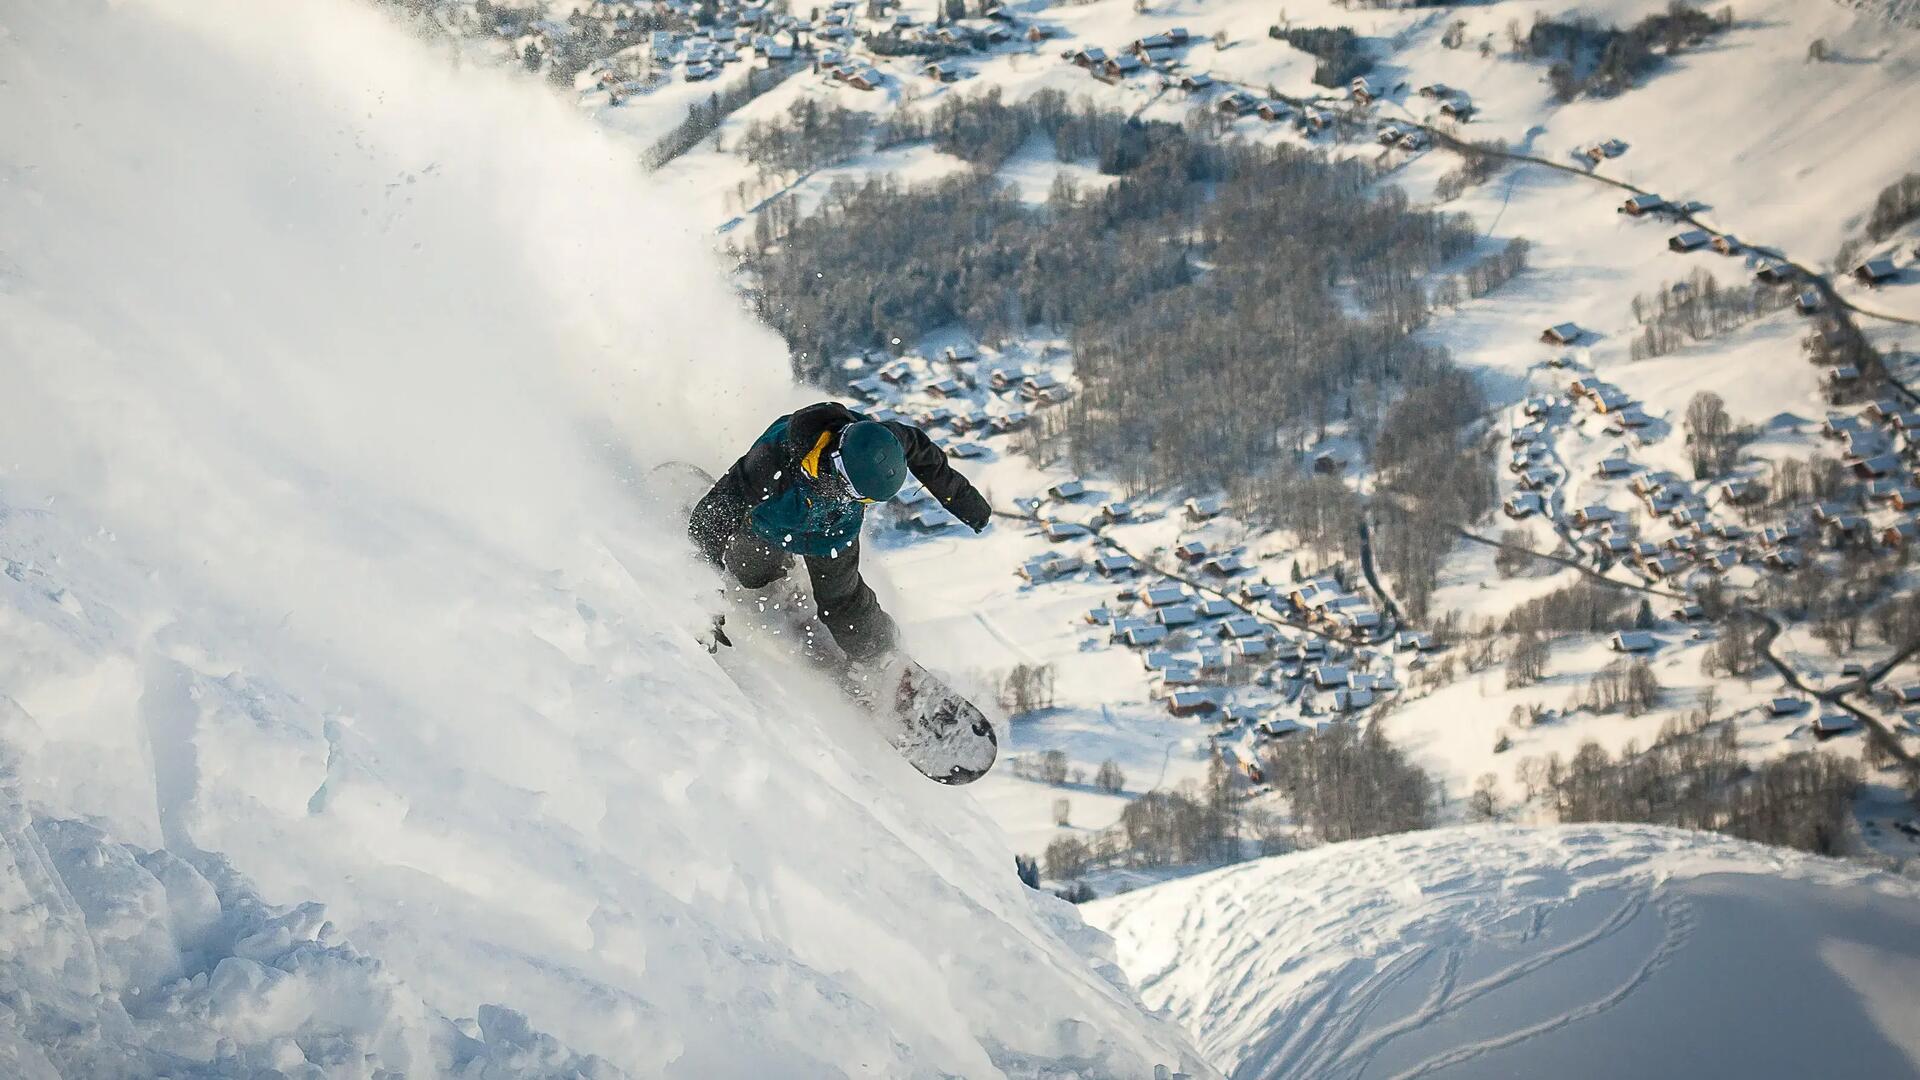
(352, 722)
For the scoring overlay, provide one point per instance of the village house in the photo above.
(1204, 508)
(1164, 595)
(1632, 641)
(1115, 565)
(1639, 205)
(1067, 490)
(1562, 334)
(1191, 551)
(1727, 244)
(1875, 272)
(1691, 240)
(1191, 703)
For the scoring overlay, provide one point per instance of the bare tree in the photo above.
(1109, 778)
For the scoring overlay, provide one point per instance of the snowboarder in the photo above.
(802, 489)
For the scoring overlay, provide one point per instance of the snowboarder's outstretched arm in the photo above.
(929, 466)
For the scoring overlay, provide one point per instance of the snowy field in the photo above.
(351, 722)
(1579, 951)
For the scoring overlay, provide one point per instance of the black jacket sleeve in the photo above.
(929, 465)
(722, 512)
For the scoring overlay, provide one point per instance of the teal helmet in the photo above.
(870, 460)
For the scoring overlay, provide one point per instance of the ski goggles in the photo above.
(840, 466)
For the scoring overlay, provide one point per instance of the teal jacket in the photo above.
(785, 489)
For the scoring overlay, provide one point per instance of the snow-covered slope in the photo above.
(1597, 951)
(350, 717)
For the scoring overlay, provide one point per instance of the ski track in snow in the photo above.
(1501, 952)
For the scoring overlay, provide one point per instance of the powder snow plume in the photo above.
(349, 714)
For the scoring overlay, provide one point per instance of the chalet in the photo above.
(1191, 703)
(1067, 490)
(946, 388)
(1808, 302)
(1562, 334)
(1360, 90)
(1115, 565)
(1601, 151)
(1116, 511)
(1905, 497)
(1899, 535)
(1164, 596)
(1632, 641)
(1774, 273)
(1100, 616)
(1035, 32)
(1157, 660)
(1413, 641)
(1829, 724)
(1740, 492)
(1688, 612)
(1876, 271)
(1140, 636)
(1252, 649)
(1457, 110)
(1119, 67)
(931, 519)
(1347, 699)
(1786, 706)
(1195, 82)
(1012, 421)
(1043, 568)
(1044, 387)
(1436, 91)
(1089, 57)
(1643, 204)
(1613, 468)
(1905, 695)
(1592, 515)
(1241, 626)
(1874, 468)
(1213, 607)
(1176, 615)
(1313, 120)
(1784, 559)
(1281, 728)
(1177, 676)
(1226, 565)
(1666, 566)
(1253, 592)
(1536, 479)
(966, 450)
(1328, 676)
(868, 388)
(939, 72)
(1062, 531)
(1726, 244)
(1691, 240)
(1152, 43)
(1236, 104)
(1205, 508)
(1191, 551)
(865, 79)
(1523, 504)
(1005, 378)
(1274, 111)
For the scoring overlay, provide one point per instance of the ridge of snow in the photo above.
(1581, 950)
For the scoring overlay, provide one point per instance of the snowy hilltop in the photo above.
(351, 718)
(1592, 951)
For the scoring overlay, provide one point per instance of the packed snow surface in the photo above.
(1575, 951)
(351, 717)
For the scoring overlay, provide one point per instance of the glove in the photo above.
(971, 508)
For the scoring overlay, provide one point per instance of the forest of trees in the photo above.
(1696, 309)
(1341, 54)
(1693, 777)
(1346, 784)
(1605, 60)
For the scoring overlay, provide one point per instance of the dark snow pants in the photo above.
(845, 601)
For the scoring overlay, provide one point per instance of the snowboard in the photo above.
(939, 732)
